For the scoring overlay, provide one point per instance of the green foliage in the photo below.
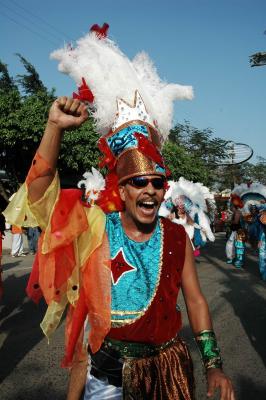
(259, 171)
(6, 82)
(197, 156)
(182, 163)
(23, 116)
(30, 83)
(22, 122)
(231, 175)
(201, 153)
(79, 153)
(199, 142)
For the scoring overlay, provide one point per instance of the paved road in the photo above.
(29, 367)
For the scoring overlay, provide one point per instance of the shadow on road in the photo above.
(242, 292)
(19, 324)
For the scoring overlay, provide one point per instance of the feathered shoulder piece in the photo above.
(92, 184)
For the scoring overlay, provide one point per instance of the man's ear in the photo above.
(121, 189)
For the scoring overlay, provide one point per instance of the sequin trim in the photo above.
(117, 312)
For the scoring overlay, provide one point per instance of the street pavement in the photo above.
(30, 367)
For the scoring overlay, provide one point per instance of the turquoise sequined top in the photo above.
(135, 270)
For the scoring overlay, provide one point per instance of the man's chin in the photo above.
(147, 216)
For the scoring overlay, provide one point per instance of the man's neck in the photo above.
(136, 230)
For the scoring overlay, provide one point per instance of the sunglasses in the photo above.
(141, 182)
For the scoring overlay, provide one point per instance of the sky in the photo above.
(203, 43)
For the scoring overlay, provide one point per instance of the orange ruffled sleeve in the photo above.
(72, 265)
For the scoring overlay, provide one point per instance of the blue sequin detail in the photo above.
(159, 169)
(134, 290)
(125, 139)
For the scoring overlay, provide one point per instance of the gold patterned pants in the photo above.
(165, 376)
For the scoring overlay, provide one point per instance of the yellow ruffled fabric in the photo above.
(84, 243)
(73, 262)
(18, 211)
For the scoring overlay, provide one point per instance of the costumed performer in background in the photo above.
(2, 234)
(236, 226)
(188, 201)
(118, 265)
(262, 241)
(253, 198)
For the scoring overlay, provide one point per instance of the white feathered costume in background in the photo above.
(191, 197)
(250, 194)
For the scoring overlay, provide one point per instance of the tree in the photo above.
(24, 107)
(231, 175)
(259, 171)
(181, 163)
(6, 82)
(79, 153)
(200, 142)
(206, 151)
(30, 83)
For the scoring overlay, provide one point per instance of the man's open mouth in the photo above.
(147, 205)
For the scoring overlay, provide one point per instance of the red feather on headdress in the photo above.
(100, 31)
(108, 158)
(84, 94)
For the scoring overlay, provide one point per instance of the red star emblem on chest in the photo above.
(119, 266)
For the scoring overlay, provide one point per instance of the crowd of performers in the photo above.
(248, 225)
(191, 205)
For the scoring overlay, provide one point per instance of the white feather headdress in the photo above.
(111, 75)
(252, 194)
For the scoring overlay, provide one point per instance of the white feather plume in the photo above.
(111, 75)
(204, 223)
(94, 183)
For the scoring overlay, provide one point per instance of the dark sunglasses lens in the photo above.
(157, 183)
(139, 181)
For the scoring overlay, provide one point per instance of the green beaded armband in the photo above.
(209, 350)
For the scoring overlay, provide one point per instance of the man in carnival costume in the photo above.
(235, 246)
(121, 271)
(253, 201)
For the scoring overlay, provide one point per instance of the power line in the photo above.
(28, 21)
(43, 20)
(27, 28)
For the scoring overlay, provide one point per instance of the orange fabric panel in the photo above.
(39, 167)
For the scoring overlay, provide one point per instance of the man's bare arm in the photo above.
(200, 320)
(65, 113)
